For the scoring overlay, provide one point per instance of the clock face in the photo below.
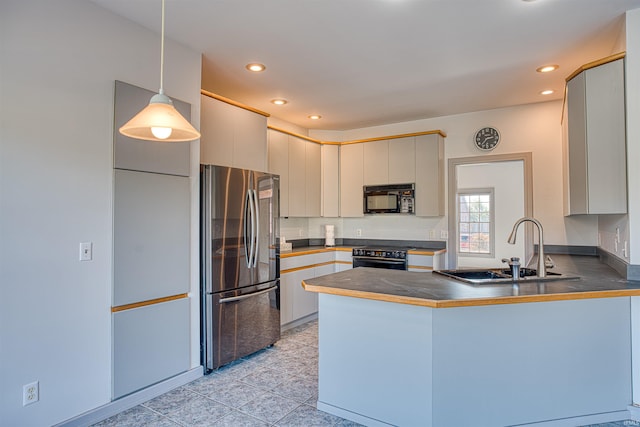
(487, 138)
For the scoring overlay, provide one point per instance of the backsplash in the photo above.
(387, 227)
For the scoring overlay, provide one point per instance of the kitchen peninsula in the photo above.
(418, 349)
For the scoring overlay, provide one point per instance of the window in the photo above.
(475, 222)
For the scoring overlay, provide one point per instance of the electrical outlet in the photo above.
(444, 234)
(299, 232)
(432, 234)
(624, 250)
(618, 234)
(359, 232)
(30, 393)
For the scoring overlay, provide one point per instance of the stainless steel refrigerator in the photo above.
(240, 263)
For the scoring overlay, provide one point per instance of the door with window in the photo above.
(490, 198)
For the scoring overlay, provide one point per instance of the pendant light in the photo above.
(160, 121)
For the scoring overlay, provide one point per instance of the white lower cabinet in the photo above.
(295, 302)
(344, 261)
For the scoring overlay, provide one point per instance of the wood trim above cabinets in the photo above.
(357, 141)
(298, 135)
(597, 63)
(232, 102)
(404, 135)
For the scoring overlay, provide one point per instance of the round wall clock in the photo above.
(487, 138)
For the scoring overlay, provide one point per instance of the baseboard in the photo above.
(635, 414)
(298, 322)
(134, 399)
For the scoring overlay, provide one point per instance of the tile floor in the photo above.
(275, 387)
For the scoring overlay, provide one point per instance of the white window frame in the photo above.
(492, 235)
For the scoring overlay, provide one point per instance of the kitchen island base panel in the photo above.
(487, 365)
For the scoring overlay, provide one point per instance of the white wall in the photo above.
(507, 181)
(534, 128)
(59, 61)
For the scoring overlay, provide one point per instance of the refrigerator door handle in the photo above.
(248, 228)
(241, 297)
(256, 211)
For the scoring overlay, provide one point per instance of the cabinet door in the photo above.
(286, 298)
(217, 128)
(304, 302)
(351, 180)
(313, 179)
(150, 344)
(376, 162)
(402, 161)
(232, 136)
(250, 140)
(429, 175)
(295, 302)
(597, 141)
(606, 158)
(577, 147)
(279, 164)
(151, 254)
(330, 180)
(141, 155)
(297, 177)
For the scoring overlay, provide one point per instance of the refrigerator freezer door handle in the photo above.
(241, 297)
(256, 208)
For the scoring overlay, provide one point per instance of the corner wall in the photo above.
(59, 61)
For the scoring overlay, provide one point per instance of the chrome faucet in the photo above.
(542, 269)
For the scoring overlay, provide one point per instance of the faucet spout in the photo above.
(542, 269)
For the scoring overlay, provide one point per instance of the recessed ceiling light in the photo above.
(547, 92)
(315, 117)
(256, 67)
(279, 101)
(547, 68)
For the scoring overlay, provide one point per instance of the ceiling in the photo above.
(361, 63)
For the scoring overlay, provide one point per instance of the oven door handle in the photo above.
(381, 260)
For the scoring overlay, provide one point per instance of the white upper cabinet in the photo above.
(279, 165)
(376, 162)
(297, 177)
(390, 161)
(429, 170)
(330, 180)
(351, 180)
(232, 136)
(595, 141)
(313, 184)
(297, 161)
(402, 160)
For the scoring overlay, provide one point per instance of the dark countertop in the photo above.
(597, 280)
(306, 250)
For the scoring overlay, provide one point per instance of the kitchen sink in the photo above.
(480, 276)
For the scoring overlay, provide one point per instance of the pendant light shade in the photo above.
(160, 121)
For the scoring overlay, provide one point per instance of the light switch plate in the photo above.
(86, 251)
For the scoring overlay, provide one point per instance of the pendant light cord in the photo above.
(162, 52)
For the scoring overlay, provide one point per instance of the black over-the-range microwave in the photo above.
(394, 198)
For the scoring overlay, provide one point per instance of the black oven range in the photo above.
(380, 257)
